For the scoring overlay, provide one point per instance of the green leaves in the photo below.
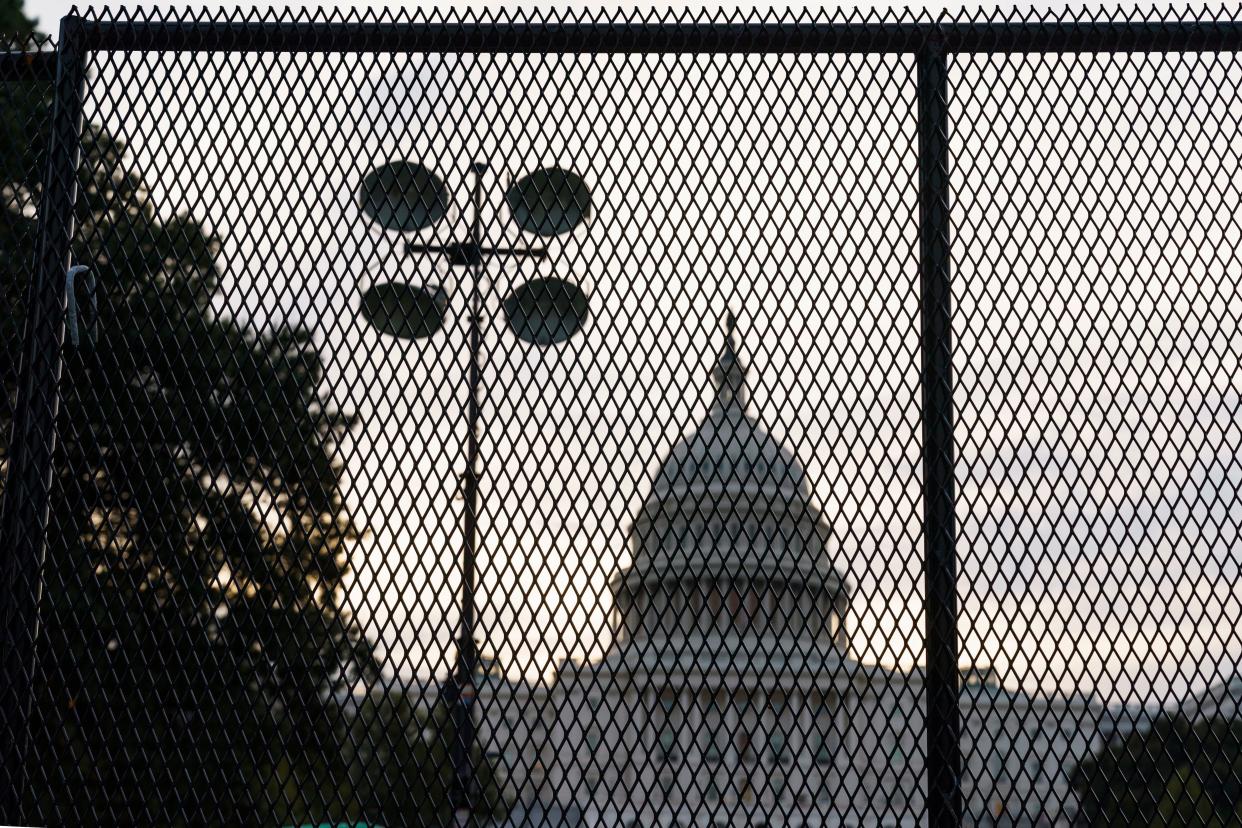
(194, 639)
(398, 766)
(1189, 776)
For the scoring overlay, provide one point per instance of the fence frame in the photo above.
(25, 509)
(24, 514)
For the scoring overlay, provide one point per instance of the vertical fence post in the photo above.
(23, 519)
(939, 534)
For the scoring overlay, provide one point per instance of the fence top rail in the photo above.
(620, 37)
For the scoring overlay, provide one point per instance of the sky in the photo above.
(48, 12)
(1096, 346)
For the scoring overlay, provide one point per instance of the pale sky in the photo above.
(1096, 350)
(48, 12)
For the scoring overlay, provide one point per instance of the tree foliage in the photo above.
(1177, 773)
(400, 768)
(194, 636)
(195, 654)
(14, 24)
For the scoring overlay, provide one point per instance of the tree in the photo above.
(194, 638)
(1177, 772)
(22, 137)
(1184, 804)
(14, 24)
(399, 766)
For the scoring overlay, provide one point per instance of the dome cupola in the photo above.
(729, 540)
(729, 451)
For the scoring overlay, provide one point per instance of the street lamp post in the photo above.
(406, 197)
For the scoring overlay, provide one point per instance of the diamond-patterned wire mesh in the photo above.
(1096, 294)
(24, 81)
(697, 524)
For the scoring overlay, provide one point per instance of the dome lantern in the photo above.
(728, 374)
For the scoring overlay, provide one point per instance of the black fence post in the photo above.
(23, 520)
(939, 534)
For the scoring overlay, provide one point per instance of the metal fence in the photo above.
(720, 420)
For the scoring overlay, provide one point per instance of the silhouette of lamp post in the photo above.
(407, 198)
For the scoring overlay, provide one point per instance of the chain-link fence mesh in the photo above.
(1096, 301)
(543, 420)
(27, 72)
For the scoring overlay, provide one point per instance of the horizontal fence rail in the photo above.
(660, 38)
(702, 419)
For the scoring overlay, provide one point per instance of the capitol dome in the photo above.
(729, 541)
(729, 451)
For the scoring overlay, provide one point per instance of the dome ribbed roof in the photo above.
(727, 470)
(729, 450)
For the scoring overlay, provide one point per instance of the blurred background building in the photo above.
(729, 696)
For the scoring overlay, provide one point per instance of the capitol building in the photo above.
(729, 696)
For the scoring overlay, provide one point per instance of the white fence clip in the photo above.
(88, 316)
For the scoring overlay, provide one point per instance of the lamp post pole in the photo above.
(467, 654)
(407, 197)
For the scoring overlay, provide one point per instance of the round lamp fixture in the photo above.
(546, 311)
(405, 311)
(403, 196)
(549, 202)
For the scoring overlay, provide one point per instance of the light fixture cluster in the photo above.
(407, 198)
